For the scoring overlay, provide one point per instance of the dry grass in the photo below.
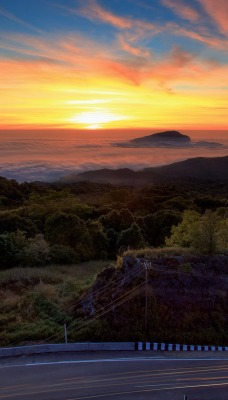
(151, 252)
(34, 302)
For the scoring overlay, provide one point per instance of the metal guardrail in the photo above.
(104, 346)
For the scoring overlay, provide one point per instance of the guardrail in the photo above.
(104, 346)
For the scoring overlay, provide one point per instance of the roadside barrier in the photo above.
(105, 346)
(176, 347)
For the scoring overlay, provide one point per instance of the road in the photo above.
(115, 375)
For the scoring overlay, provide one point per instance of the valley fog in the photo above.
(28, 155)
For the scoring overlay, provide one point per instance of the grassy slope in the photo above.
(36, 302)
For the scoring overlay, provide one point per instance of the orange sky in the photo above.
(146, 73)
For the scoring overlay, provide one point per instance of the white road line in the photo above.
(109, 360)
(122, 360)
(216, 383)
(95, 361)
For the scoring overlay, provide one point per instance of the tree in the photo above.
(11, 221)
(13, 247)
(117, 195)
(37, 252)
(97, 241)
(205, 234)
(126, 219)
(131, 237)
(112, 237)
(223, 234)
(184, 234)
(65, 229)
(62, 255)
(7, 251)
(110, 220)
(158, 225)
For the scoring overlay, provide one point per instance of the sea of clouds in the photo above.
(43, 158)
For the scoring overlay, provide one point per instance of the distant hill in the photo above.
(202, 169)
(167, 137)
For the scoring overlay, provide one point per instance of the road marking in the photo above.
(117, 393)
(153, 374)
(85, 383)
(120, 360)
(216, 379)
(146, 390)
(32, 364)
(14, 387)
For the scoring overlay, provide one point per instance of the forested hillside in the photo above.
(67, 223)
(52, 234)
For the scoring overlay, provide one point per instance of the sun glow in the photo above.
(95, 119)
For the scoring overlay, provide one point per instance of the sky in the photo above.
(101, 64)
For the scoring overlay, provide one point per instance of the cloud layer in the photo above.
(46, 157)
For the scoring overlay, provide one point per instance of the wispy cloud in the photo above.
(130, 30)
(184, 10)
(93, 11)
(218, 12)
(69, 58)
(202, 36)
(19, 21)
(40, 74)
(133, 31)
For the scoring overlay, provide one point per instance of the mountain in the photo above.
(166, 138)
(202, 169)
(199, 168)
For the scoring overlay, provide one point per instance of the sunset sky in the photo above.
(91, 64)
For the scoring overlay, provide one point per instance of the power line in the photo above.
(99, 291)
(122, 299)
(145, 265)
(117, 304)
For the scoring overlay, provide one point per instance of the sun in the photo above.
(94, 119)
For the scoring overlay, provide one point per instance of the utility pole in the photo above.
(65, 333)
(146, 299)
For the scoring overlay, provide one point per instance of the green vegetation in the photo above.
(53, 236)
(205, 234)
(161, 252)
(43, 224)
(36, 302)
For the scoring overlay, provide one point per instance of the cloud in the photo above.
(92, 10)
(50, 68)
(41, 75)
(204, 145)
(218, 11)
(184, 10)
(135, 158)
(67, 59)
(202, 35)
(19, 21)
(131, 30)
(128, 44)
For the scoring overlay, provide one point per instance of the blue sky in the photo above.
(67, 15)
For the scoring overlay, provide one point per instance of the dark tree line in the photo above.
(68, 223)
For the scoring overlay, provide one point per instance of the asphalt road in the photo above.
(122, 375)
